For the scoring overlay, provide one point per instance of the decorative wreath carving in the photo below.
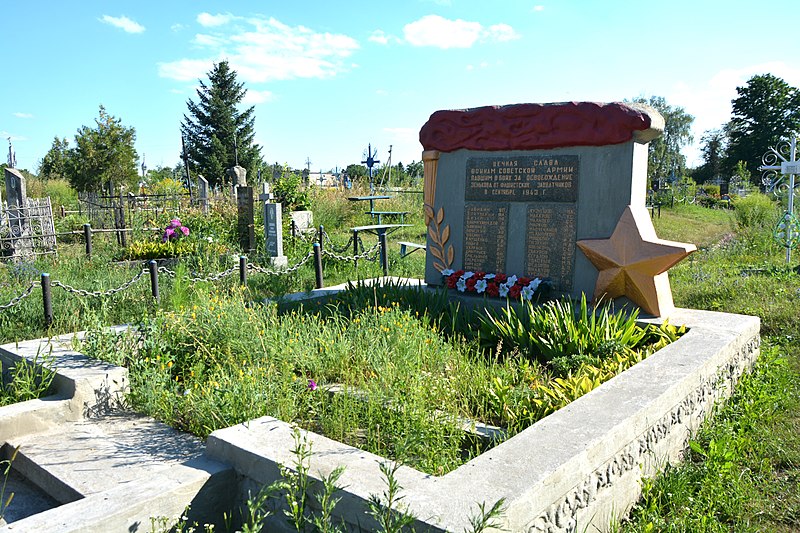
(441, 251)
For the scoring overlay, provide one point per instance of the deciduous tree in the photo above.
(664, 153)
(103, 155)
(54, 163)
(713, 148)
(766, 110)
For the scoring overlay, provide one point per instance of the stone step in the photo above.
(113, 473)
(94, 455)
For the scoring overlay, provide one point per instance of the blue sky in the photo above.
(327, 78)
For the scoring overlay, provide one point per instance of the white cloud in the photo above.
(203, 39)
(709, 101)
(433, 30)
(379, 37)
(439, 32)
(257, 97)
(123, 23)
(14, 138)
(23, 115)
(209, 21)
(538, 8)
(501, 33)
(177, 27)
(185, 69)
(268, 50)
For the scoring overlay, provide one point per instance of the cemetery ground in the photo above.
(743, 470)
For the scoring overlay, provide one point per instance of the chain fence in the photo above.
(99, 294)
(341, 249)
(17, 299)
(45, 284)
(213, 277)
(369, 255)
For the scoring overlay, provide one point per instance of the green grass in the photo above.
(743, 471)
(698, 225)
(407, 386)
(74, 312)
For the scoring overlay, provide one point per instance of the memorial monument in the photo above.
(548, 191)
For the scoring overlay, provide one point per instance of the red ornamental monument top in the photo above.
(540, 126)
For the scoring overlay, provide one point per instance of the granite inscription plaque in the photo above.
(485, 237)
(523, 178)
(550, 243)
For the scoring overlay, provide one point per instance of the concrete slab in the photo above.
(575, 470)
(85, 465)
(98, 454)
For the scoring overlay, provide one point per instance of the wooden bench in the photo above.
(380, 214)
(404, 247)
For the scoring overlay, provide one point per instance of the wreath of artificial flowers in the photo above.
(497, 285)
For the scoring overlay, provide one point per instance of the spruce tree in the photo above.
(214, 129)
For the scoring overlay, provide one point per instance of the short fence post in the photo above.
(123, 231)
(47, 300)
(243, 270)
(293, 225)
(321, 235)
(318, 265)
(63, 211)
(355, 248)
(153, 267)
(87, 237)
(384, 255)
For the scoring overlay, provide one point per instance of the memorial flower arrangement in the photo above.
(496, 285)
(174, 231)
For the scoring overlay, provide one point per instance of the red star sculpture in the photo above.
(633, 262)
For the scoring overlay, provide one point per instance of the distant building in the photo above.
(323, 179)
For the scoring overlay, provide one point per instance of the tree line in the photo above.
(217, 135)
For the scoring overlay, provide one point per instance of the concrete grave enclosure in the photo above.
(577, 469)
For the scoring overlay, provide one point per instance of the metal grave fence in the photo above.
(27, 230)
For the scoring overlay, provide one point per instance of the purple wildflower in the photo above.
(312, 385)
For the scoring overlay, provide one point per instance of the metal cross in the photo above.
(781, 162)
(370, 162)
(12, 157)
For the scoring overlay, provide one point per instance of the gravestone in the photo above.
(273, 228)
(17, 242)
(16, 190)
(548, 191)
(246, 222)
(202, 185)
(238, 176)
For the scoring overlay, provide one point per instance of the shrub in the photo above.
(711, 190)
(167, 187)
(754, 211)
(289, 191)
